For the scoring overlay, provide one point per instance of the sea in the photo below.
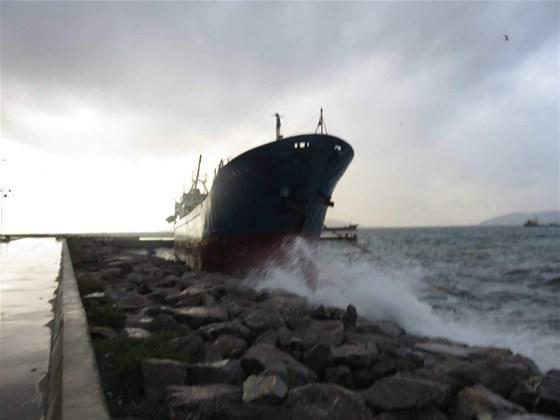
(495, 286)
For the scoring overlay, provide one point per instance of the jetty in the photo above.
(166, 342)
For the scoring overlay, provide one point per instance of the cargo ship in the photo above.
(259, 200)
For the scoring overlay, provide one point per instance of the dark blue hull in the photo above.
(277, 190)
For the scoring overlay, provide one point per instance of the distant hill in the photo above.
(517, 219)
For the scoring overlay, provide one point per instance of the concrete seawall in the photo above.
(74, 387)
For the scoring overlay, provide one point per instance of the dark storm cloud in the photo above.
(214, 64)
(440, 107)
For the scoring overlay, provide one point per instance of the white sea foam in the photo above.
(393, 293)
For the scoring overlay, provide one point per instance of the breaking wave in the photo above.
(395, 291)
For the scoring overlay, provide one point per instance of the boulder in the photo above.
(289, 341)
(202, 401)
(268, 337)
(324, 401)
(398, 392)
(165, 322)
(262, 357)
(125, 300)
(424, 413)
(223, 371)
(350, 316)
(200, 315)
(479, 402)
(231, 346)
(548, 398)
(192, 347)
(102, 332)
(386, 328)
(269, 389)
(357, 356)
(320, 312)
(407, 360)
(384, 343)
(212, 353)
(365, 377)
(329, 333)
(318, 358)
(263, 319)
(340, 375)
(505, 375)
(525, 392)
(136, 333)
(234, 327)
(157, 374)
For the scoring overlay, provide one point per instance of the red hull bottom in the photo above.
(238, 255)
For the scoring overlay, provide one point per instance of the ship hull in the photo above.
(259, 200)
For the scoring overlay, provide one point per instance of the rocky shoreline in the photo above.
(173, 343)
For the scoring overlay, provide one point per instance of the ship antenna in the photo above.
(321, 124)
(195, 181)
(278, 126)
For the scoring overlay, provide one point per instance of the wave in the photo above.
(394, 292)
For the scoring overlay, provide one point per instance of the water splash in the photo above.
(382, 290)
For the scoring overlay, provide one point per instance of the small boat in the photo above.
(260, 200)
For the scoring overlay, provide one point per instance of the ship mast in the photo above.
(321, 124)
(278, 126)
(195, 181)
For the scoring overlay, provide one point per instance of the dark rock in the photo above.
(320, 312)
(386, 328)
(399, 392)
(383, 342)
(350, 316)
(459, 351)
(157, 374)
(358, 356)
(324, 401)
(269, 389)
(268, 337)
(525, 392)
(125, 300)
(463, 373)
(318, 358)
(340, 375)
(505, 375)
(212, 353)
(548, 399)
(192, 346)
(408, 360)
(289, 341)
(201, 315)
(262, 357)
(264, 318)
(223, 371)
(231, 346)
(329, 333)
(136, 333)
(424, 413)
(479, 402)
(202, 401)
(102, 332)
(365, 377)
(110, 273)
(234, 327)
(165, 322)
(384, 367)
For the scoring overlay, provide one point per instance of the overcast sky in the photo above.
(105, 106)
